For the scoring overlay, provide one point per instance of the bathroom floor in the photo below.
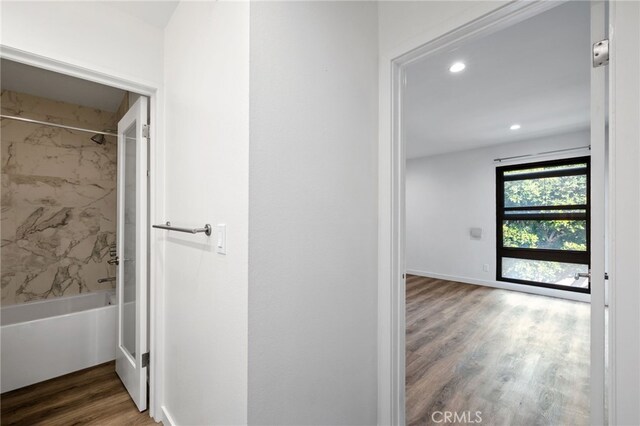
(94, 396)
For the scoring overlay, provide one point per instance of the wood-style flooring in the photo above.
(94, 396)
(516, 358)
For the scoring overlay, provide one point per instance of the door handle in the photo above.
(579, 275)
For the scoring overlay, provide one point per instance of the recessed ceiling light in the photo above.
(457, 67)
(515, 127)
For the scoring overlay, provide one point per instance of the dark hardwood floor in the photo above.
(517, 358)
(94, 396)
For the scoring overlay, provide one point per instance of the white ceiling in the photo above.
(156, 13)
(535, 73)
(22, 78)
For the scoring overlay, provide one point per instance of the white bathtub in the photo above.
(46, 339)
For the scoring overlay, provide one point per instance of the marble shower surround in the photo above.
(58, 197)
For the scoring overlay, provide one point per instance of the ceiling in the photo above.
(22, 78)
(156, 13)
(535, 73)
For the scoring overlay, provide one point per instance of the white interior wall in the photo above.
(207, 131)
(448, 194)
(312, 282)
(403, 25)
(88, 34)
(624, 139)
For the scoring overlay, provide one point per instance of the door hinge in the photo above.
(148, 173)
(600, 53)
(145, 130)
(145, 359)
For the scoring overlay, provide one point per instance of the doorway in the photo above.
(76, 162)
(453, 44)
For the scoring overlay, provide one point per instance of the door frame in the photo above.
(156, 196)
(391, 183)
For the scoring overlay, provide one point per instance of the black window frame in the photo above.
(554, 255)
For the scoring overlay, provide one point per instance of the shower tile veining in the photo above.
(58, 200)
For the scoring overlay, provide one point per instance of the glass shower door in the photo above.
(131, 287)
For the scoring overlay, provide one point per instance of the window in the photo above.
(543, 223)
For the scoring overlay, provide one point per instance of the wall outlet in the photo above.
(485, 267)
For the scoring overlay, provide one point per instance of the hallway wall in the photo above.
(312, 216)
(90, 34)
(207, 131)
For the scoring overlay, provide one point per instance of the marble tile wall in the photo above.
(58, 200)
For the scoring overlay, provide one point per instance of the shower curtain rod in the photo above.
(62, 126)
(499, 160)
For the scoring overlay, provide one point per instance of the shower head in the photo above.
(99, 139)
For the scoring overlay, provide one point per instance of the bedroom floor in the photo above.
(516, 358)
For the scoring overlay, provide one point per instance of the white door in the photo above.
(598, 117)
(131, 288)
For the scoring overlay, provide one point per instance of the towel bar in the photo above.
(168, 227)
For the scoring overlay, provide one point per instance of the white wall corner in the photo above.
(166, 419)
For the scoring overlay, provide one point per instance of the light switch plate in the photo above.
(221, 239)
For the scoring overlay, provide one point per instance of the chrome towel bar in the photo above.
(168, 227)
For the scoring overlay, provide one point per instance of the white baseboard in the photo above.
(167, 419)
(541, 291)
